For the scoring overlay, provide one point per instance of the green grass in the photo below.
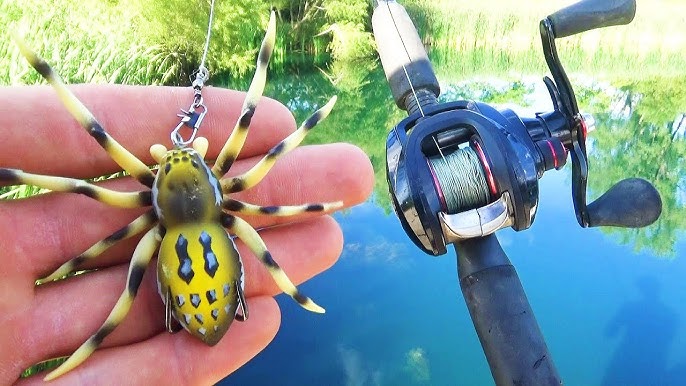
(497, 37)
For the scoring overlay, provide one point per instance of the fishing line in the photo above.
(407, 52)
(207, 38)
(458, 176)
(460, 180)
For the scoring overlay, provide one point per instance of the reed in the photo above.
(500, 37)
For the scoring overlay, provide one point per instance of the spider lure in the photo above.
(199, 271)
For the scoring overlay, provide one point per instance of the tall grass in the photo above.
(497, 37)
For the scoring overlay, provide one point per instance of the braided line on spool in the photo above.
(460, 180)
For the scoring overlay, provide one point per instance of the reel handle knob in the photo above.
(630, 203)
(591, 14)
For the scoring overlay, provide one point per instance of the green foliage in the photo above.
(43, 366)
(349, 25)
(640, 138)
(495, 37)
(87, 41)
(237, 30)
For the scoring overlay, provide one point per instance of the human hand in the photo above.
(40, 233)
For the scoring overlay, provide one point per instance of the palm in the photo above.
(42, 232)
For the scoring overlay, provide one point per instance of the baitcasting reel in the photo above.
(463, 169)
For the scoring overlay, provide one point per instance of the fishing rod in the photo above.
(461, 170)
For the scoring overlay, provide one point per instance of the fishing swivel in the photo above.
(193, 117)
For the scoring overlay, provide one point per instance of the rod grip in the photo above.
(512, 341)
(591, 14)
(400, 50)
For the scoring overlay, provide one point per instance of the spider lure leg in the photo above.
(253, 176)
(290, 210)
(234, 144)
(252, 239)
(138, 225)
(72, 185)
(119, 154)
(141, 257)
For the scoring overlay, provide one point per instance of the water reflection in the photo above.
(647, 323)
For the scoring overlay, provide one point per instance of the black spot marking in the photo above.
(269, 209)
(230, 158)
(228, 221)
(211, 296)
(180, 300)
(102, 333)
(145, 198)
(78, 260)
(227, 289)
(96, 131)
(43, 68)
(168, 158)
(276, 150)
(176, 160)
(184, 159)
(215, 314)
(185, 271)
(118, 235)
(195, 300)
(199, 318)
(269, 260)
(300, 298)
(195, 164)
(9, 175)
(245, 119)
(263, 57)
(233, 205)
(312, 121)
(86, 191)
(237, 185)
(147, 179)
(167, 168)
(314, 208)
(187, 318)
(211, 264)
(135, 278)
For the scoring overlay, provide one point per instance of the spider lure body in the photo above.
(199, 271)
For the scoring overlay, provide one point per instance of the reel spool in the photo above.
(460, 178)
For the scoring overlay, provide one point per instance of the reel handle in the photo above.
(630, 203)
(591, 14)
(403, 57)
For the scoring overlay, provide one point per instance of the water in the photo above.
(609, 303)
(610, 316)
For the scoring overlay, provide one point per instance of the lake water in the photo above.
(610, 304)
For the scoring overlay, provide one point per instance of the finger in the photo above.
(137, 117)
(186, 360)
(303, 250)
(49, 230)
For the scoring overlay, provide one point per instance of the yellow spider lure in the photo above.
(199, 271)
